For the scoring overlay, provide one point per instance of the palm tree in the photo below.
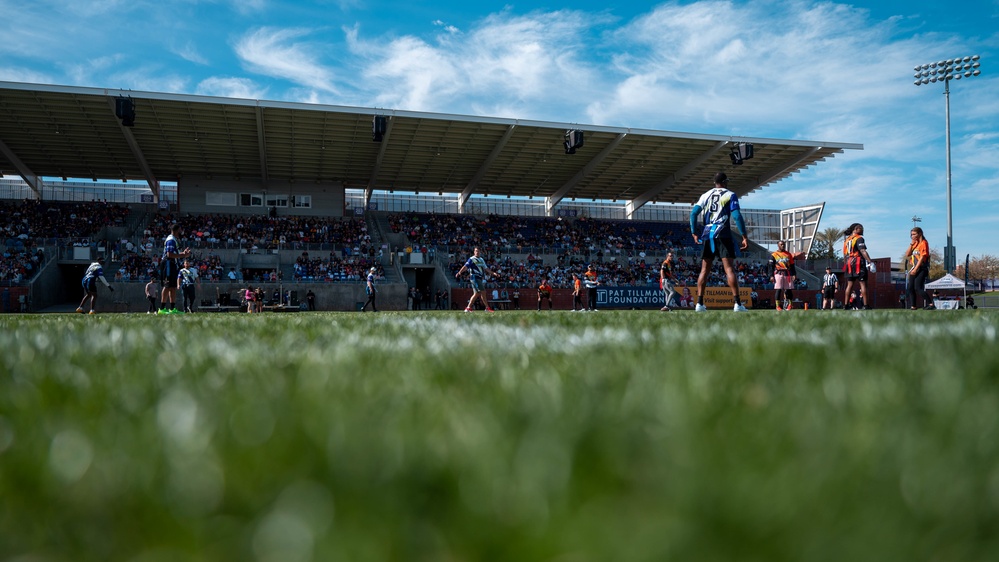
(824, 245)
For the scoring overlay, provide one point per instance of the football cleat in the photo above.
(740, 308)
(468, 309)
(490, 310)
(80, 310)
(700, 308)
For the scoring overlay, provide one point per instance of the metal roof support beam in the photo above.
(486, 164)
(29, 177)
(262, 145)
(791, 164)
(557, 197)
(637, 203)
(140, 158)
(378, 161)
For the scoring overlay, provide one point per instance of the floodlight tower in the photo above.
(945, 71)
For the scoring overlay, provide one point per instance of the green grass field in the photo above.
(624, 436)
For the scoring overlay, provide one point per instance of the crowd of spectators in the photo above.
(26, 225)
(136, 266)
(638, 270)
(19, 265)
(257, 232)
(494, 233)
(34, 220)
(334, 269)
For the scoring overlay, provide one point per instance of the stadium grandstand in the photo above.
(303, 197)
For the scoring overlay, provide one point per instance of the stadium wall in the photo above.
(327, 198)
(130, 297)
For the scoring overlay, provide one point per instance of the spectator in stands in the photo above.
(717, 208)
(94, 272)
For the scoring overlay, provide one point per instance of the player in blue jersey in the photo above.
(717, 209)
(477, 271)
(369, 288)
(170, 269)
(94, 272)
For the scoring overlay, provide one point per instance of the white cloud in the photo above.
(522, 63)
(283, 53)
(189, 52)
(16, 74)
(230, 87)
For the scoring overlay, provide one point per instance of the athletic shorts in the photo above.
(724, 248)
(90, 284)
(478, 283)
(168, 273)
(782, 281)
(862, 276)
(829, 292)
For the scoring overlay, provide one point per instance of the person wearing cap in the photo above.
(370, 290)
(830, 284)
(717, 209)
(591, 280)
(94, 272)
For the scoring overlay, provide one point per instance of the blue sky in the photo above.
(824, 71)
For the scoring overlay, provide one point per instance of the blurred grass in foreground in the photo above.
(513, 436)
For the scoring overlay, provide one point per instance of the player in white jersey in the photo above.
(188, 279)
(717, 208)
(477, 270)
(94, 272)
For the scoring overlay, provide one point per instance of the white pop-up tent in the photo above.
(946, 282)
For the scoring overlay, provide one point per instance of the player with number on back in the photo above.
(717, 209)
(857, 261)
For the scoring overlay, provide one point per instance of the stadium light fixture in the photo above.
(915, 219)
(945, 71)
(741, 152)
(573, 140)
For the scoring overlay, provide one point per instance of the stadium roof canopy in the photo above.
(65, 131)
